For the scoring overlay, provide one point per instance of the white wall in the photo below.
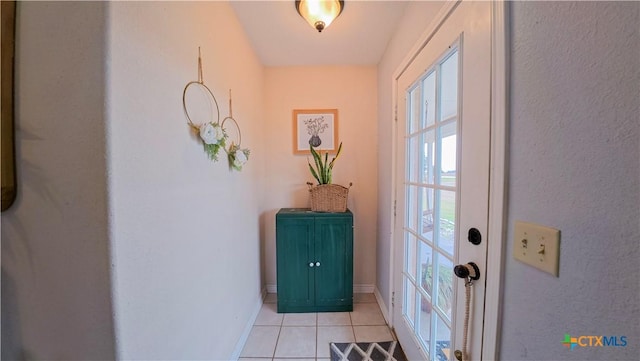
(56, 288)
(185, 230)
(575, 75)
(416, 18)
(352, 90)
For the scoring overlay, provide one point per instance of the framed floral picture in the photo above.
(316, 127)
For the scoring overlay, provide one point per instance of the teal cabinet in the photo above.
(314, 261)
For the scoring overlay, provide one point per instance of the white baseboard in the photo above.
(383, 306)
(272, 288)
(247, 328)
(363, 288)
(357, 288)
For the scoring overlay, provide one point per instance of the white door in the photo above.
(442, 185)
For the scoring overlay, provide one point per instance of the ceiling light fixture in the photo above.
(319, 13)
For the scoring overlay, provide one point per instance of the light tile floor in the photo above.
(306, 336)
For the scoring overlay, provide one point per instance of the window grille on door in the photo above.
(431, 199)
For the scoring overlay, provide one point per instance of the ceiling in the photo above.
(280, 37)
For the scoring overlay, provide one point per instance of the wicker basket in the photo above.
(328, 197)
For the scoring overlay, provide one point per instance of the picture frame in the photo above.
(317, 127)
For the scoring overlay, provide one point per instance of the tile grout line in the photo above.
(278, 338)
(353, 330)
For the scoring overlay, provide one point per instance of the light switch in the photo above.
(537, 245)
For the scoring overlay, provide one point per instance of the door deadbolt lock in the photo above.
(474, 236)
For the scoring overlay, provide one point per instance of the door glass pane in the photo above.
(443, 339)
(409, 301)
(449, 87)
(429, 99)
(447, 224)
(412, 208)
(426, 213)
(448, 158)
(412, 255)
(445, 286)
(424, 331)
(426, 271)
(428, 152)
(414, 110)
(413, 158)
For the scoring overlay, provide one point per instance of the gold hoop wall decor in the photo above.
(237, 156)
(211, 133)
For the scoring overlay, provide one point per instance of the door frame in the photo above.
(497, 167)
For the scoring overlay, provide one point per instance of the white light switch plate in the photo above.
(537, 245)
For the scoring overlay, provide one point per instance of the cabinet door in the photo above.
(294, 239)
(334, 251)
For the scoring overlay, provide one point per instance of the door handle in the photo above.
(458, 355)
(317, 264)
(311, 264)
(469, 270)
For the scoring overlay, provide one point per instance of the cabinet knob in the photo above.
(317, 264)
(311, 264)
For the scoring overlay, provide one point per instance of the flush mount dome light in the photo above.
(319, 13)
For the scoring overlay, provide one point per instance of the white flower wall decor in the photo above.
(212, 133)
(213, 137)
(238, 157)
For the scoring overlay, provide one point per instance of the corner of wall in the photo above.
(57, 233)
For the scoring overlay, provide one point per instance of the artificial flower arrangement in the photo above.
(213, 138)
(237, 157)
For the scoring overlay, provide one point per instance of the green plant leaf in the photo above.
(318, 162)
(212, 151)
(320, 166)
(323, 171)
(325, 168)
(336, 157)
(313, 172)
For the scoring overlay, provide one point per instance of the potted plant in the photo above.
(325, 196)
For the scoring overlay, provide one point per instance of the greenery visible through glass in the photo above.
(445, 281)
